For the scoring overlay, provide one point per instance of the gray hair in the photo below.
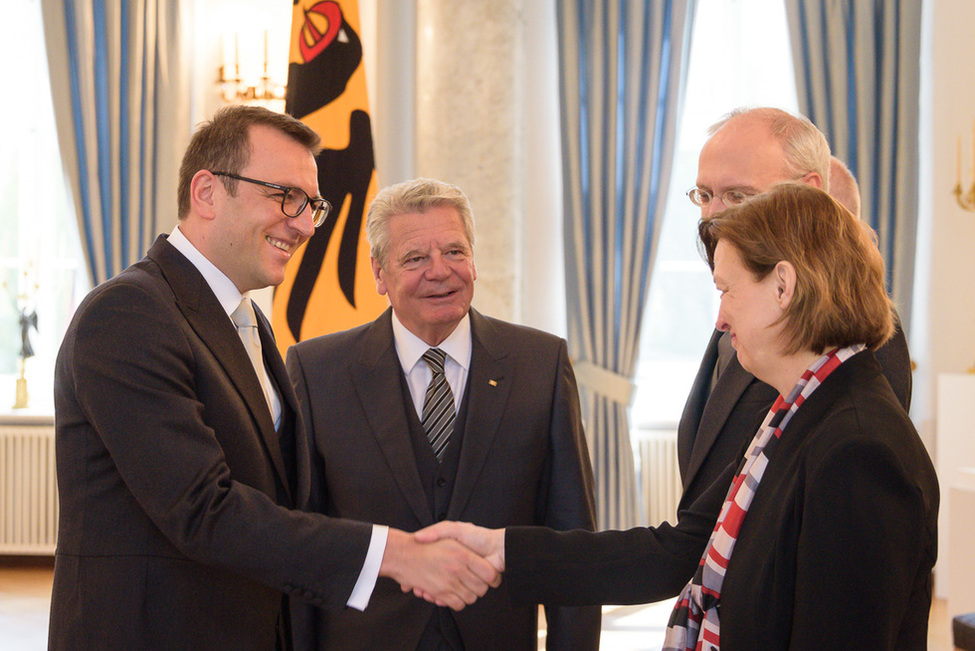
(805, 146)
(416, 196)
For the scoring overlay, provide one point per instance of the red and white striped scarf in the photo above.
(694, 621)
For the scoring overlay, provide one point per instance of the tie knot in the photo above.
(243, 316)
(434, 357)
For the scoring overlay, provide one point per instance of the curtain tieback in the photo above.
(612, 385)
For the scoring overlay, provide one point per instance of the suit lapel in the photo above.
(717, 408)
(376, 376)
(488, 390)
(690, 420)
(275, 365)
(289, 403)
(211, 324)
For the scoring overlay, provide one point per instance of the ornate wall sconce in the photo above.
(242, 83)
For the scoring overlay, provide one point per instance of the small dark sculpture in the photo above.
(27, 321)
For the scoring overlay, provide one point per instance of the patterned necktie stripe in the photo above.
(438, 404)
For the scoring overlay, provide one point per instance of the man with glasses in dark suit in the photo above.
(180, 460)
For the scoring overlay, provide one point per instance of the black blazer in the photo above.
(523, 460)
(835, 552)
(717, 424)
(174, 531)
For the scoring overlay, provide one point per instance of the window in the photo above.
(740, 56)
(40, 259)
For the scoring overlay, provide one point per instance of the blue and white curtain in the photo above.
(622, 67)
(858, 75)
(121, 104)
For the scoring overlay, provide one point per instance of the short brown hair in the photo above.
(223, 144)
(416, 196)
(840, 297)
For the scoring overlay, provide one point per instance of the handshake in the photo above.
(450, 563)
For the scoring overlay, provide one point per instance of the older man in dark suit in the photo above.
(179, 460)
(749, 152)
(436, 412)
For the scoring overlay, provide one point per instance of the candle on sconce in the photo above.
(965, 196)
(225, 57)
(246, 81)
(958, 163)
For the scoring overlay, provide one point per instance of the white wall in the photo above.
(943, 334)
(943, 331)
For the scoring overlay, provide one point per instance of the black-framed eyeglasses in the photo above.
(293, 200)
(703, 198)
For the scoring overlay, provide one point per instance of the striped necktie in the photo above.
(438, 405)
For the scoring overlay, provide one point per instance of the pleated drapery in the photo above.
(622, 66)
(115, 79)
(858, 75)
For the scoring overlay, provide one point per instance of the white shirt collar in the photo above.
(410, 348)
(223, 287)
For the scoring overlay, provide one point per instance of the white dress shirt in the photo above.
(410, 348)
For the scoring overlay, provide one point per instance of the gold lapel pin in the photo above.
(493, 383)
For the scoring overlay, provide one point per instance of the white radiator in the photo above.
(28, 490)
(660, 487)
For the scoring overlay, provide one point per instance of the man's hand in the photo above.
(444, 572)
(489, 543)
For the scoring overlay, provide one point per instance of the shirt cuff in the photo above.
(362, 591)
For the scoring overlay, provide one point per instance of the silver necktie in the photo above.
(246, 322)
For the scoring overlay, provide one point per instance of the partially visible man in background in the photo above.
(843, 187)
(748, 152)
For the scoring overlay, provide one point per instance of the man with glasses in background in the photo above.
(180, 455)
(748, 152)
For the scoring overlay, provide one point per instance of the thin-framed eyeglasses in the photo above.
(703, 198)
(293, 200)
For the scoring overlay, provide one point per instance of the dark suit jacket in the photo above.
(524, 460)
(715, 427)
(173, 483)
(835, 552)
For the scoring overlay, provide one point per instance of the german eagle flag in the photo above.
(329, 285)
